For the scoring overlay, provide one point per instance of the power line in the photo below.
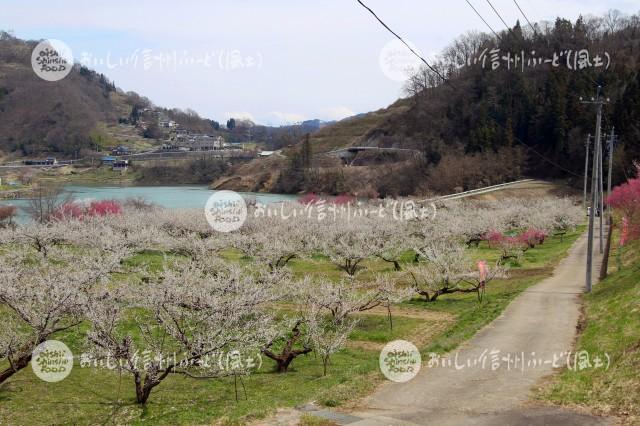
(480, 16)
(446, 80)
(402, 40)
(525, 16)
(499, 16)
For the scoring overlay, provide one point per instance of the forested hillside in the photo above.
(77, 113)
(488, 123)
(36, 115)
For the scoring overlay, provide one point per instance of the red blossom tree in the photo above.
(343, 199)
(533, 237)
(103, 208)
(309, 198)
(626, 199)
(74, 210)
(7, 213)
(69, 210)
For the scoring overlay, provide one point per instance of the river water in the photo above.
(170, 197)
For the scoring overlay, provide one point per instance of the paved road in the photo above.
(543, 320)
(487, 189)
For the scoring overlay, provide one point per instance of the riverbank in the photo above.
(197, 171)
(87, 176)
(15, 194)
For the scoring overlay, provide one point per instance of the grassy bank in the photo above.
(92, 396)
(611, 326)
(87, 176)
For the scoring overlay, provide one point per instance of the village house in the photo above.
(46, 162)
(120, 150)
(108, 160)
(120, 165)
(204, 143)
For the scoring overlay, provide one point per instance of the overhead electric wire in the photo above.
(446, 80)
(402, 40)
(483, 20)
(525, 16)
(499, 16)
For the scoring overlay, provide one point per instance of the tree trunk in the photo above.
(288, 354)
(142, 394)
(143, 388)
(607, 249)
(475, 242)
(396, 264)
(424, 293)
(18, 365)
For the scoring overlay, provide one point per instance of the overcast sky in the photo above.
(275, 61)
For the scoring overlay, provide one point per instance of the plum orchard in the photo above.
(81, 267)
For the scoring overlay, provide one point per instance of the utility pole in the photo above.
(586, 170)
(601, 190)
(612, 141)
(598, 102)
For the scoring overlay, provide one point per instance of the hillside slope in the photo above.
(355, 130)
(536, 108)
(81, 112)
(488, 125)
(36, 115)
(610, 328)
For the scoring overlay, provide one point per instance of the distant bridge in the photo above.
(349, 154)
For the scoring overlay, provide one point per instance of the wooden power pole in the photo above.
(598, 102)
(586, 170)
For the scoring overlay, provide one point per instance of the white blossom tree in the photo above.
(349, 243)
(274, 241)
(445, 269)
(44, 291)
(190, 312)
(328, 335)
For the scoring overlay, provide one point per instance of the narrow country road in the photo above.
(540, 323)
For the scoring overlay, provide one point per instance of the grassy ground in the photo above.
(611, 325)
(11, 191)
(11, 188)
(90, 396)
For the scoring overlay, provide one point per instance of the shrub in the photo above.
(533, 237)
(309, 198)
(74, 210)
(494, 238)
(7, 213)
(103, 208)
(343, 199)
(626, 199)
(70, 210)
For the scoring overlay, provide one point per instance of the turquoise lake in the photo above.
(170, 197)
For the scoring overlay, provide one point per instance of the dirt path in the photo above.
(539, 324)
(433, 323)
